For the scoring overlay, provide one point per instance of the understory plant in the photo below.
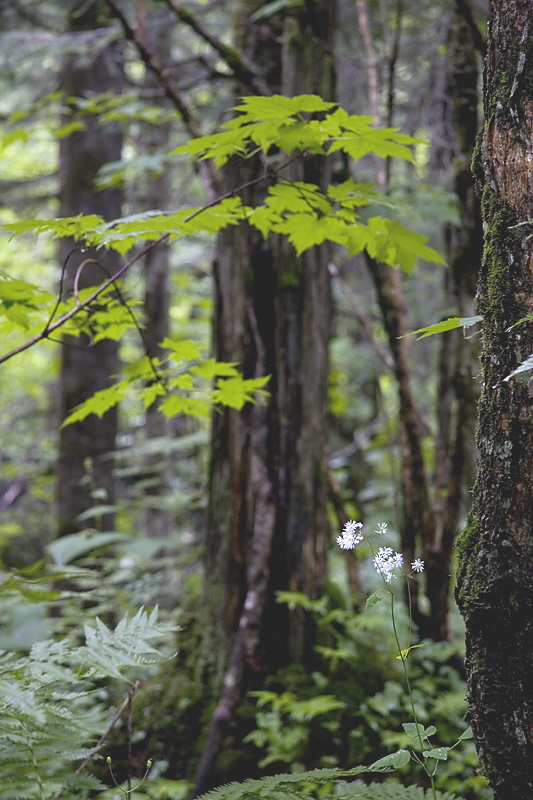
(399, 714)
(389, 565)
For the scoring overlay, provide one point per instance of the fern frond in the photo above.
(388, 791)
(277, 786)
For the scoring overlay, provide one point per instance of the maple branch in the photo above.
(50, 327)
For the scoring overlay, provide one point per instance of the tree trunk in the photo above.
(457, 392)
(84, 447)
(495, 587)
(156, 468)
(272, 315)
(267, 527)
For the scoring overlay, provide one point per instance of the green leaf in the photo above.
(449, 324)
(214, 369)
(413, 729)
(100, 402)
(372, 599)
(399, 246)
(235, 392)
(273, 8)
(175, 404)
(183, 350)
(68, 548)
(525, 366)
(394, 761)
(440, 753)
(468, 734)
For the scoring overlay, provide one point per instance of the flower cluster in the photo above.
(386, 560)
(350, 535)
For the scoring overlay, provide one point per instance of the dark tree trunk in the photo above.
(457, 393)
(267, 526)
(84, 448)
(495, 585)
(272, 314)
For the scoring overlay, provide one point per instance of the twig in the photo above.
(206, 169)
(241, 71)
(51, 327)
(464, 8)
(126, 703)
(362, 317)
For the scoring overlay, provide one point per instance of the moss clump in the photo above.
(468, 536)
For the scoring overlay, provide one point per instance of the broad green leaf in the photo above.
(416, 731)
(100, 402)
(173, 405)
(214, 369)
(235, 392)
(278, 107)
(273, 8)
(68, 548)
(394, 761)
(183, 350)
(468, 734)
(301, 600)
(413, 729)
(525, 366)
(398, 246)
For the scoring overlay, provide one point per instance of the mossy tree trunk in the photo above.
(84, 447)
(495, 583)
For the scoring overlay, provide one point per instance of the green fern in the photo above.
(50, 717)
(389, 791)
(303, 784)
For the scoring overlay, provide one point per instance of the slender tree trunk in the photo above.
(157, 517)
(495, 587)
(84, 448)
(457, 395)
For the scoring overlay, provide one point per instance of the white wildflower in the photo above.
(350, 535)
(382, 527)
(417, 565)
(386, 561)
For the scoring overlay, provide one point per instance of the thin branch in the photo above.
(380, 351)
(51, 327)
(465, 10)
(44, 334)
(206, 169)
(241, 71)
(126, 703)
(158, 376)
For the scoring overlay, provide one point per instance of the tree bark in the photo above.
(272, 315)
(457, 392)
(156, 468)
(495, 586)
(267, 527)
(85, 447)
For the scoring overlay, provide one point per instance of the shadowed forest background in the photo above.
(221, 507)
